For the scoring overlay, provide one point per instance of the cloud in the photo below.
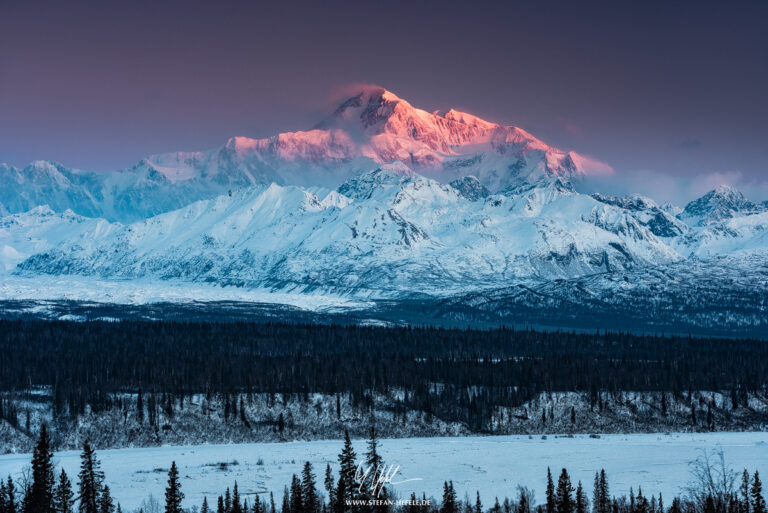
(691, 144)
(571, 127)
(346, 91)
(591, 166)
(665, 187)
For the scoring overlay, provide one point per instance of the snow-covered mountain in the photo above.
(382, 201)
(378, 235)
(40, 229)
(373, 128)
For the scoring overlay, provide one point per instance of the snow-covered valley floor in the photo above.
(492, 465)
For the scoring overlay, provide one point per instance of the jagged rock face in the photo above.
(658, 220)
(470, 188)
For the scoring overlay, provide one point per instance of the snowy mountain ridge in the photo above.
(382, 234)
(382, 201)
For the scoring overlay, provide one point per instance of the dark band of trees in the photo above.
(87, 362)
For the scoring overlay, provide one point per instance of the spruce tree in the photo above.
(605, 496)
(341, 495)
(745, 502)
(375, 464)
(220, 505)
(478, 504)
(372, 457)
(40, 496)
(641, 505)
(308, 490)
(286, 501)
(236, 506)
(347, 470)
(596, 495)
(329, 485)
(7, 496)
(551, 500)
(63, 497)
(204, 508)
(297, 501)
(3, 500)
(106, 505)
(173, 493)
(758, 501)
(10, 494)
(91, 478)
(564, 493)
(581, 499)
(449, 499)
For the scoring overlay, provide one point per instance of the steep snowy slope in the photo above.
(382, 233)
(29, 233)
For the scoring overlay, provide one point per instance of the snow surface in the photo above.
(492, 465)
(148, 291)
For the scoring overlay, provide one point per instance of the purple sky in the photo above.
(653, 89)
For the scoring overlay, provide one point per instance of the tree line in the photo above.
(459, 375)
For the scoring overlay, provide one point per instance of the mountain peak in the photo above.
(368, 107)
(467, 119)
(722, 202)
(726, 190)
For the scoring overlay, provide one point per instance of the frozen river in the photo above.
(493, 465)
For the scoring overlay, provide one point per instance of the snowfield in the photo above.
(492, 465)
(149, 291)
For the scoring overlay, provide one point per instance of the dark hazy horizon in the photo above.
(667, 92)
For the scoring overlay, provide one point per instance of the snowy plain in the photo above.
(493, 465)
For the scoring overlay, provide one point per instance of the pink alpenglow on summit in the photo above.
(374, 125)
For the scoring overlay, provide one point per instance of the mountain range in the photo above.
(385, 204)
